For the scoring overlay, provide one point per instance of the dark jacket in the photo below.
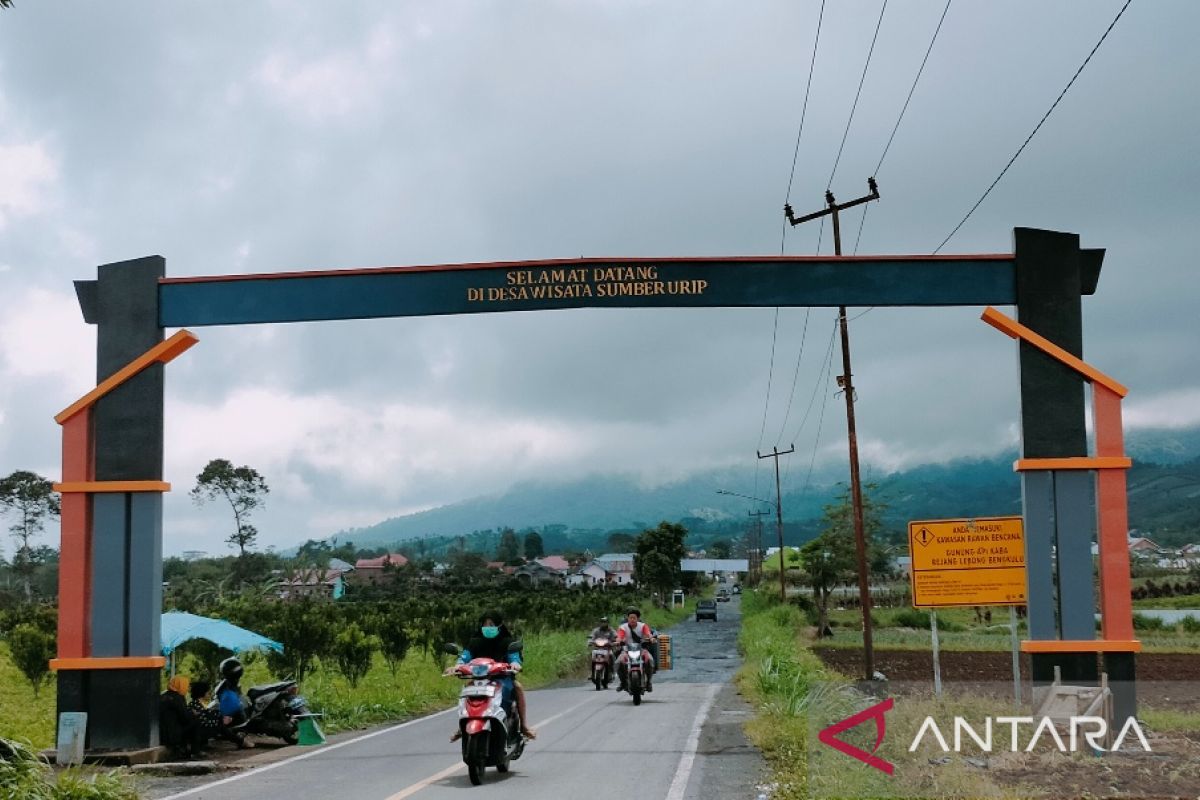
(176, 725)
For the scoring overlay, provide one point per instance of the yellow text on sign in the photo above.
(968, 562)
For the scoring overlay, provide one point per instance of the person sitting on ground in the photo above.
(634, 630)
(208, 718)
(492, 642)
(178, 730)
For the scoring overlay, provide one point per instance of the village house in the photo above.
(370, 571)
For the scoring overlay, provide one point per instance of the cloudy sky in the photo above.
(271, 136)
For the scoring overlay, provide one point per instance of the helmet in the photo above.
(231, 669)
(604, 620)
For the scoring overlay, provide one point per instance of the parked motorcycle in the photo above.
(602, 662)
(637, 664)
(274, 709)
(491, 733)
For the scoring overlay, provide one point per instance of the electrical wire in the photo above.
(826, 364)
(857, 94)
(795, 375)
(912, 89)
(803, 112)
(820, 423)
(770, 376)
(1036, 128)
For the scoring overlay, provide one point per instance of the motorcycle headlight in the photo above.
(479, 670)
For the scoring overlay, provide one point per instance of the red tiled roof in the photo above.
(395, 559)
(554, 562)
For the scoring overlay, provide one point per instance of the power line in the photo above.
(795, 376)
(804, 110)
(861, 81)
(770, 376)
(820, 419)
(826, 362)
(1036, 128)
(912, 89)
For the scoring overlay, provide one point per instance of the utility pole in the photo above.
(832, 208)
(775, 454)
(756, 550)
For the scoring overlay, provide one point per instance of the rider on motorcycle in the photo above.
(492, 642)
(602, 631)
(633, 629)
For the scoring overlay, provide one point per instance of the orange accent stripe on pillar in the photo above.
(161, 353)
(1112, 533)
(75, 545)
(1016, 330)
(1081, 646)
(93, 487)
(124, 662)
(1099, 462)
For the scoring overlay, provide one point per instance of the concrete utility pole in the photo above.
(846, 383)
(775, 454)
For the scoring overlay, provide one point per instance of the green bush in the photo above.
(911, 618)
(1190, 624)
(352, 650)
(32, 648)
(1141, 622)
(23, 776)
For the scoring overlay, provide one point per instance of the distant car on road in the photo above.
(706, 609)
(722, 595)
(737, 588)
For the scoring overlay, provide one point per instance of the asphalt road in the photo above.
(588, 742)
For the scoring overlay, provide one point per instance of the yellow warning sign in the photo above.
(968, 562)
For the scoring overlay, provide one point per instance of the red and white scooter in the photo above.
(602, 662)
(491, 734)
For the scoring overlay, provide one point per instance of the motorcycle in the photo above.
(491, 733)
(638, 665)
(602, 662)
(273, 709)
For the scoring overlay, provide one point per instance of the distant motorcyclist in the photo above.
(634, 630)
(602, 631)
(492, 642)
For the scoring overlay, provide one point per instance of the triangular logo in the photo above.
(829, 735)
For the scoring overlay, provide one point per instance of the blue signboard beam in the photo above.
(757, 281)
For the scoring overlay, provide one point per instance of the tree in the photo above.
(621, 542)
(831, 558)
(657, 554)
(242, 487)
(720, 549)
(30, 498)
(533, 545)
(353, 650)
(32, 648)
(305, 628)
(509, 549)
(394, 640)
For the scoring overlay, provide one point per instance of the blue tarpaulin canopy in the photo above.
(179, 627)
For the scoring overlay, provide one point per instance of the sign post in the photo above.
(937, 661)
(968, 562)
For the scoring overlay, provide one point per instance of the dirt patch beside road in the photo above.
(1166, 681)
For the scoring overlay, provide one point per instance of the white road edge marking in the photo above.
(301, 757)
(688, 759)
(409, 791)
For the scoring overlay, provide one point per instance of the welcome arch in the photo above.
(111, 564)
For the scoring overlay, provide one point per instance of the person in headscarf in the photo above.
(178, 729)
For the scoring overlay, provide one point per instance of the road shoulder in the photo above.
(729, 765)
